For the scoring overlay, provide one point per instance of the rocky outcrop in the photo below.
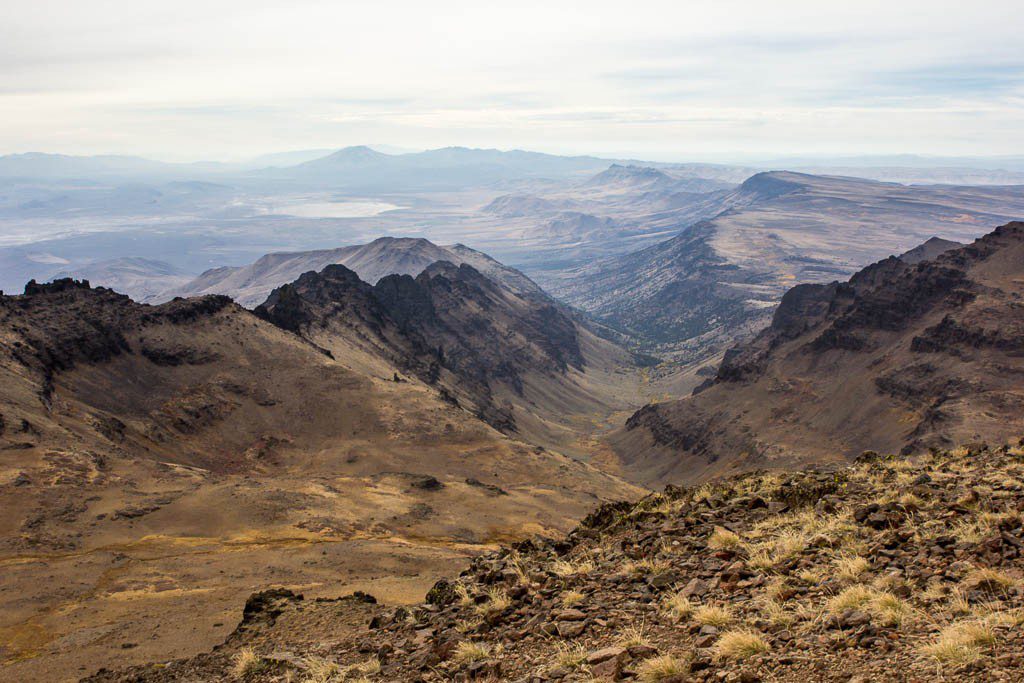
(452, 327)
(888, 569)
(903, 354)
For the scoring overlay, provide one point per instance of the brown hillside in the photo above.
(903, 357)
(159, 462)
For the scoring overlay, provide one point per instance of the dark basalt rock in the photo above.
(956, 338)
(490, 488)
(452, 327)
(263, 608)
(61, 285)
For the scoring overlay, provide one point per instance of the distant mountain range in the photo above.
(250, 285)
(358, 167)
(719, 279)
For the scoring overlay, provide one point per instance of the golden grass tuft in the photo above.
(891, 610)
(851, 568)
(677, 606)
(633, 636)
(885, 607)
(462, 593)
(570, 598)
(568, 568)
(246, 662)
(740, 644)
(960, 643)
(646, 566)
(471, 651)
(572, 655)
(776, 614)
(989, 580)
(713, 615)
(319, 670)
(723, 539)
(853, 597)
(662, 668)
(497, 601)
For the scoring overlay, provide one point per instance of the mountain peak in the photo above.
(770, 184)
(358, 154)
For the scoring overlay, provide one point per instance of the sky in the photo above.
(723, 80)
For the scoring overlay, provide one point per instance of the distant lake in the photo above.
(335, 209)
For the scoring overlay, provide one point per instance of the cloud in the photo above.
(233, 78)
(955, 79)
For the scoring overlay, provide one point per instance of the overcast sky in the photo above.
(727, 79)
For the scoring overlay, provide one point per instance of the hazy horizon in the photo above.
(777, 162)
(723, 81)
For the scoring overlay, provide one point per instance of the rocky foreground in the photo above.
(892, 569)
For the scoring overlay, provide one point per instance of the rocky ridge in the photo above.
(903, 356)
(452, 327)
(896, 569)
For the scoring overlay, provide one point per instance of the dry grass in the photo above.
(740, 644)
(776, 614)
(958, 602)
(320, 670)
(246, 662)
(465, 599)
(891, 610)
(518, 565)
(883, 606)
(646, 566)
(934, 591)
(568, 568)
(961, 643)
(662, 668)
(911, 502)
(811, 576)
(664, 505)
(978, 528)
(989, 580)
(570, 598)
(471, 651)
(497, 601)
(677, 605)
(783, 545)
(713, 615)
(850, 568)
(633, 636)
(368, 668)
(572, 656)
(723, 539)
(854, 597)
